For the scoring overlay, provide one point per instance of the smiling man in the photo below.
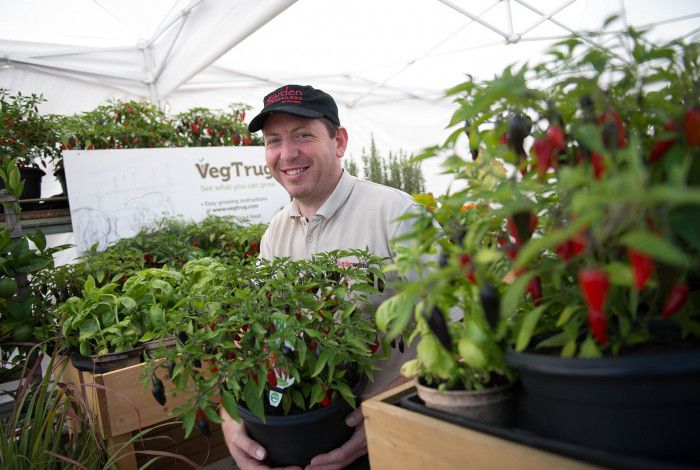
(330, 210)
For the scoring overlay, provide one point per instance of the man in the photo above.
(330, 209)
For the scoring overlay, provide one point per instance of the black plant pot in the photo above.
(645, 405)
(32, 186)
(296, 439)
(106, 362)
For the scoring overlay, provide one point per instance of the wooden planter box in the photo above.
(123, 406)
(401, 438)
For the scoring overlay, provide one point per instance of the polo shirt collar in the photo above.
(337, 198)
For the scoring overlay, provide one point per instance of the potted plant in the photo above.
(27, 138)
(284, 345)
(599, 222)
(459, 366)
(106, 327)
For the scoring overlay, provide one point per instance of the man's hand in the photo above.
(247, 453)
(344, 455)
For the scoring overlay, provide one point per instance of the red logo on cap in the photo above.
(292, 96)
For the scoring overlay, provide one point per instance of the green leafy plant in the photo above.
(301, 326)
(596, 218)
(112, 318)
(26, 137)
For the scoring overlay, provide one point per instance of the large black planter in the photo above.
(296, 439)
(106, 362)
(646, 405)
(32, 186)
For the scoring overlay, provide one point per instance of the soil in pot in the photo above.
(296, 439)
(106, 362)
(493, 405)
(642, 405)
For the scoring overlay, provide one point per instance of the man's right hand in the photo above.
(247, 453)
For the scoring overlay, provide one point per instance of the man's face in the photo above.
(303, 157)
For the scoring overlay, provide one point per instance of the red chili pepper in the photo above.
(195, 129)
(544, 150)
(598, 163)
(598, 325)
(642, 268)
(271, 378)
(230, 355)
(564, 251)
(556, 137)
(313, 345)
(578, 244)
(465, 262)
(594, 285)
(676, 299)
(326, 401)
(692, 126)
(373, 347)
(195, 244)
(534, 288)
(661, 146)
(242, 115)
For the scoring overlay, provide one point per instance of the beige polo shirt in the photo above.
(358, 214)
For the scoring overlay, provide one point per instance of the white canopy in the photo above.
(386, 62)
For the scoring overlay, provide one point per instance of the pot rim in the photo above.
(485, 391)
(664, 363)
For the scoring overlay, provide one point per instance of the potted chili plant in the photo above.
(599, 222)
(459, 366)
(285, 345)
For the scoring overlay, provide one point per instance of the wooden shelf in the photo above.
(405, 439)
(123, 406)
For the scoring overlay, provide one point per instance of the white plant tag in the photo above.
(275, 398)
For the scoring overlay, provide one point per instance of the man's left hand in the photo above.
(344, 455)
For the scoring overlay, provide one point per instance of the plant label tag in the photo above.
(283, 379)
(275, 398)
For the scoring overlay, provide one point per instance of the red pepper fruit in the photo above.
(692, 126)
(676, 299)
(210, 131)
(661, 146)
(235, 139)
(598, 163)
(594, 285)
(598, 325)
(242, 115)
(230, 355)
(195, 244)
(556, 136)
(326, 401)
(195, 129)
(642, 268)
(373, 347)
(271, 378)
(247, 141)
(543, 149)
(534, 288)
(521, 226)
(465, 262)
(578, 244)
(564, 251)
(313, 345)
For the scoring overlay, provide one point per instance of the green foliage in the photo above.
(306, 321)
(34, 436)
(575, 163)
(398, 171)
(25, 136)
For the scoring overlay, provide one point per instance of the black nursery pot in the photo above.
(296, 439)
(106, 362)
(646, 405)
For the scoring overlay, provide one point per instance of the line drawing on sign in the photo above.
(93, 225)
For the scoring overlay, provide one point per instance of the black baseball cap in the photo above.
(299, 100)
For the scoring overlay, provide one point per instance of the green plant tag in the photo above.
(275, 398)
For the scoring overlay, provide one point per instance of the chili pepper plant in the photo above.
(591, 235)
(450, 305)
(280, 337)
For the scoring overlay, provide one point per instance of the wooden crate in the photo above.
(123, 406)
(401, 438)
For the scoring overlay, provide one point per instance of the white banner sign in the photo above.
(114, 193)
